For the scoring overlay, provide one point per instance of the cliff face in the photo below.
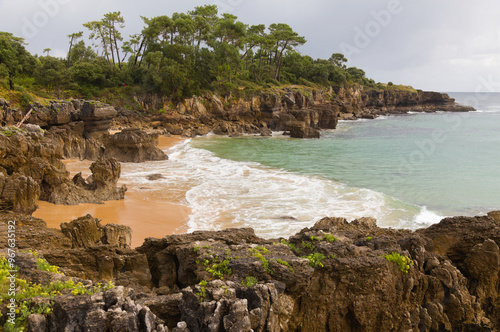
(301, 111)
(335, 276)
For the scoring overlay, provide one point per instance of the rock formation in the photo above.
(334, 276)
(298, 110)
(31, 169)
(133, 145)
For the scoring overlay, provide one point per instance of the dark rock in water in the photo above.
(299, 130)
(134, 145)
(154, 177)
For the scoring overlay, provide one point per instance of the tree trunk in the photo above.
(139, 51)
(118, 54)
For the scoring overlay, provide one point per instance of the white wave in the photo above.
(224, 193)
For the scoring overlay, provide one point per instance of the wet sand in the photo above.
(147, 215)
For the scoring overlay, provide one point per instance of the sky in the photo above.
(439, 45)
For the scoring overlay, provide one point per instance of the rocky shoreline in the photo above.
(334, 276)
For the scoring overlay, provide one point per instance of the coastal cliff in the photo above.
(300, 111)
(334, 276)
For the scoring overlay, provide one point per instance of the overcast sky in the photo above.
(441, 45)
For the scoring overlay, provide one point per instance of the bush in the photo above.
(403, 262)
(249, 281)
(315, 259)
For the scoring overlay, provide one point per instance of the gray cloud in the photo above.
(434, 45)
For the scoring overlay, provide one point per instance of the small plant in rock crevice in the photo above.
(403, 262)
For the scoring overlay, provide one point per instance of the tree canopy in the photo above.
(176, 56)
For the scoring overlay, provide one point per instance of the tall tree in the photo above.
(73, 39)
(286, 39)
(99, 35)
(112, 22)
(14, 59)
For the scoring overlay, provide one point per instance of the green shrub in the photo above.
(315, 259)
(202, 294)
(249, 281)
(27, 290)
(307, 245)
(265, 263)
(403, 262)
(330, 238)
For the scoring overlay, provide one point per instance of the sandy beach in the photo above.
(147, 215)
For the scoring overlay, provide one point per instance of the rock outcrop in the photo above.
(87, 231)
(133, 145)
(297, 110)
(31, 169)
(335, 276)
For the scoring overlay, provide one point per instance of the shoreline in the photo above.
(147, 215)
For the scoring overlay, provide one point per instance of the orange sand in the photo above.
(147, 215)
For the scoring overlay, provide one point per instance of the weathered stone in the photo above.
(134, 145)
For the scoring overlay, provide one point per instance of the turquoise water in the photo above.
(422, 166)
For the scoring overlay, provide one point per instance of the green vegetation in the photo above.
(258, 253)
(26, 290)
(403, 262)
(202, 294)
(285, 263)
(315, 259)
(307, 245)
(330, 238)
(315, 238)
(369, 238)
(249, 281)
(173, 56)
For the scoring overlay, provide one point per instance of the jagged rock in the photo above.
(30, 169)
(92, 313)
(300, 130)
(84, 232)
(97, 118)
(87, 231)
(165, 307)
(19, 193)
(105, 175)
(31, 233)
(328, 223)
(36, 323)
(134, 145)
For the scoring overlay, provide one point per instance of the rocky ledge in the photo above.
(334, 276)
(299, 111)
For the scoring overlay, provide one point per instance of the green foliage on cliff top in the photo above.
(177, 56)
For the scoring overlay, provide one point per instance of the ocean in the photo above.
(407, 171)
